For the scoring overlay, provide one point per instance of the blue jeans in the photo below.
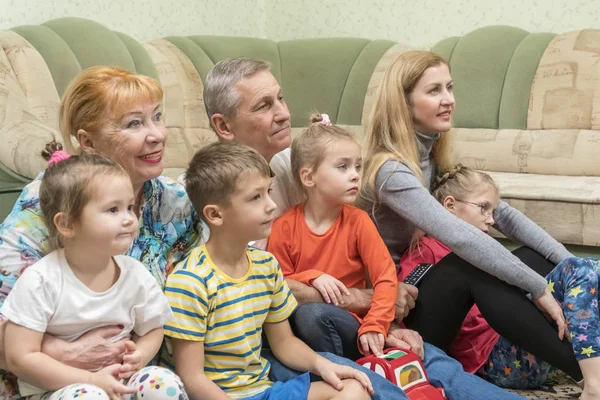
(443, 371)
(327, 328)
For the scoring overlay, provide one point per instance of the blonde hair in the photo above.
(99, 94)
(67, 187)
(309, 148)
(390, 131)
(459, 182)
(215, 171)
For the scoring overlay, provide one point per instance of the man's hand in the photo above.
(550, 307)
(371, 343)
(334, 373)
(332, 290)
(91, 351)
(406, 339)
(405, 301)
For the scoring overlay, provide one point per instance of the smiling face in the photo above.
(262, 120)
(135, 140)
(432, 101)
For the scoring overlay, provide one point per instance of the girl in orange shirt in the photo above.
(329, 245)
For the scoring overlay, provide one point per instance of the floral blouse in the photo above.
(169, 228)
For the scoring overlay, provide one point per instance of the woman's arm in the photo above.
(401, 191)
(23, 238)
(25, 359)
(517, 227)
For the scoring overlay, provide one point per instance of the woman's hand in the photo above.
(91, 351)
(549, 306)
(331, 289)
(106, 379)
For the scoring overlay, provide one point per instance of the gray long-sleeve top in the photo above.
(404, 204)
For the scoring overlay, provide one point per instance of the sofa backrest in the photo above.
(526, 102)
(327, 75)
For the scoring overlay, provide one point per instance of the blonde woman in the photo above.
(408, 142)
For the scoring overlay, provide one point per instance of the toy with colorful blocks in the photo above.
(405, 369)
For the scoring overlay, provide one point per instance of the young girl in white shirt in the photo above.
(87, 203)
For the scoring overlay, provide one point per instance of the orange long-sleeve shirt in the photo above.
(351, 245)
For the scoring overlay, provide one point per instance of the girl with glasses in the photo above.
(473, 197)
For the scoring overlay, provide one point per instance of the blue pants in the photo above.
(443, 371)
(574, 284)
(327, 328)
(293, 389)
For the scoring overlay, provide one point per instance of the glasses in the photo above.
(485, 209)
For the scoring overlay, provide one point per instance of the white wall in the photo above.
(419, 23)
(423, 23)
(146, 19)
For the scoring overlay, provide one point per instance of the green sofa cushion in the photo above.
(519, 78)
(352, 102)
(70, 45)
(478, 70)
(218, 48)
(310, 87)
(61, 61)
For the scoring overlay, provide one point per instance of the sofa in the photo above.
(528, 104)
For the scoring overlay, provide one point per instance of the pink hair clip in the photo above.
(58, 156)
(325, 121)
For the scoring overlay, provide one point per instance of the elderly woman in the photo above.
(117, 114)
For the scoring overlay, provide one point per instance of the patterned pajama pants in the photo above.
(153, 383)
(574, 284)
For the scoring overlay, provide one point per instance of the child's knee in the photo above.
(80, 391)
(584, 269)
(155, 383)
(353, 390)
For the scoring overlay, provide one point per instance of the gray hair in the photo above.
(219, 94)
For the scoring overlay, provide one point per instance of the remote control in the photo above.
(417, 274)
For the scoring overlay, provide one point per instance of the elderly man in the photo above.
(245, 104)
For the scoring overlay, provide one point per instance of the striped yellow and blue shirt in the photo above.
(227, 315)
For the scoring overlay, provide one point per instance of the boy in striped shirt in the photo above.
(225, 294)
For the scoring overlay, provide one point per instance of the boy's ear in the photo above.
(221, 125)
(63, 225)
(307, 177)
(213, 214)
(450, 204)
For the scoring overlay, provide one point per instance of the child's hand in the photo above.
(334, 373)
(106, 379)
(132, 361)
(371, 342)
(331, 289)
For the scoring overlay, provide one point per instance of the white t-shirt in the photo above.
(49, 298)
(283, 188)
